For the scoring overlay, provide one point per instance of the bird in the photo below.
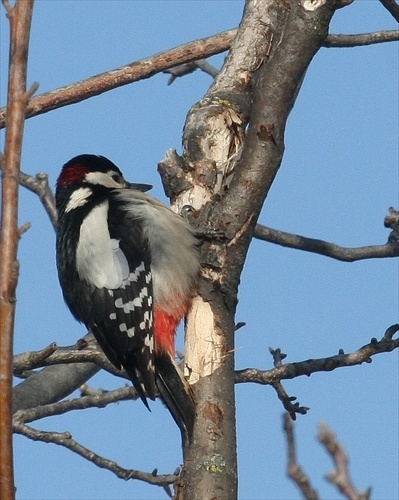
(128, 267)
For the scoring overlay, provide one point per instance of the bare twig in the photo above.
(99, 400)
(40, 186)
(55, 355)
(65, 439)
(33, 359)
(293, 370)
(361, 39)
(53, 382)
(86, 390)
(289, 406)
(24, 228)
(139, 70)
(393, 7)
(340, 476)
(294, 470)
(345, 254)
(20, 20)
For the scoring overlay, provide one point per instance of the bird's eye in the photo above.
(117, 178)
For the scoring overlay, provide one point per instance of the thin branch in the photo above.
(294, 471)
(65, 439)
(20, 21)
(139, 70)
(293, 370)
(75, 365)
(55, 355)
(32, 359)
(40, 186)
(100, 400)
(7, 6)
(393, 7)
(340, 476)
(345, 254)
(291, 408)
(361, 39)
(53, 382)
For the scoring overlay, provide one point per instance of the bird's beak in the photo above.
(139, 187)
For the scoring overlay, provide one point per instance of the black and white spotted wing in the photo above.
(122, 317)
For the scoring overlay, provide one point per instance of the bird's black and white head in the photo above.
(86, 176)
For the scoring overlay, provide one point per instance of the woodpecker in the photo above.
(127, 266)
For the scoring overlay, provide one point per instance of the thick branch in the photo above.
(324, 247)
(293, 370)
(20, 20)
(184, 54)
(51, 384)
(139, 70)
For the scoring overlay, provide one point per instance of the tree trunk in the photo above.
(225, 176)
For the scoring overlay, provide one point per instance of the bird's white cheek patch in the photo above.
(78, 198)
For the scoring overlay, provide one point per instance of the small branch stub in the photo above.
(312, 5)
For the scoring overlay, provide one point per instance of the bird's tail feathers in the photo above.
(176, 393)
(143, 379)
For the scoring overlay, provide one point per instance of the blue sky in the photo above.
(338, 178)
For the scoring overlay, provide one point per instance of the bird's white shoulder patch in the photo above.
(99, 259)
